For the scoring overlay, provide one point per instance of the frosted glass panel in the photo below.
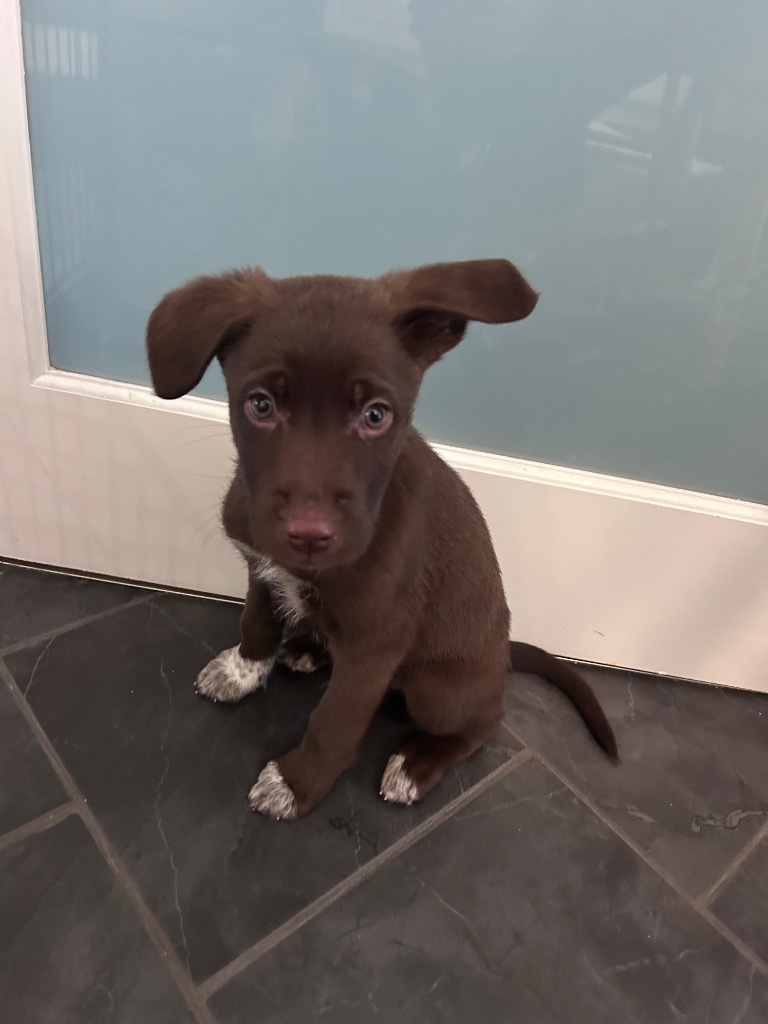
(617, 151)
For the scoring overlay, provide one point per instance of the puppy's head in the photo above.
(322, 375)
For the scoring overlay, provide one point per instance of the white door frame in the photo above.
(102, 477)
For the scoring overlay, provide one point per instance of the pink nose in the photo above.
(308, 534)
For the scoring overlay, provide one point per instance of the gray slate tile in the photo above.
(524, 907)
(29, 786)
(167, 774)
(692, 786)
(71, 949)
(743, 903)
(33, 601)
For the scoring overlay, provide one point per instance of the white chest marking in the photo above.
(290, 593)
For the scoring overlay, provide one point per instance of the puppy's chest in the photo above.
(293, 598)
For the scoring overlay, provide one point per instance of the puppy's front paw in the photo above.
(397, 786)
(230, 676)
(271, 795)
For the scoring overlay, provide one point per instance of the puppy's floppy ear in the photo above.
(432, 304)
(190, 325)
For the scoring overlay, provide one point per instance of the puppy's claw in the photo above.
(271, 795)
(230, 676)
(397, 786)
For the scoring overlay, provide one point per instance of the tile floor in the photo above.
(540, 884)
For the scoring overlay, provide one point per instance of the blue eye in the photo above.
(260, 406)
(377, 416)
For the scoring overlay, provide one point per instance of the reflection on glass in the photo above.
(617, 152)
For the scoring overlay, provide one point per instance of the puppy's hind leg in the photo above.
(457, 713)
(303, 650)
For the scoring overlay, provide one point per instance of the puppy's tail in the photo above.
(526, 658)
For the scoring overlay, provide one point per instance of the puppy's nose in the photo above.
(308, 534)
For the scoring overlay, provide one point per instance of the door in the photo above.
(617, 441)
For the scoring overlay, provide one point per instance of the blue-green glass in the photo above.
(617, 151)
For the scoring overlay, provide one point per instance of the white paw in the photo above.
(271, 795)
(304, 663)
(397, 786)
(230, 676)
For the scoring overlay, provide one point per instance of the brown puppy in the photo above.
(362, 544)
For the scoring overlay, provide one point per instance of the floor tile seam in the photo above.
(71, 627)
(730, 936)
(160, 940)
(37, 826)
(722, 929)
(709, 895)
(294, 924)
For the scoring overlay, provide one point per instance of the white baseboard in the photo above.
(619, 572)
(596, 568)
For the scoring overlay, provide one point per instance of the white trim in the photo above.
(597, 569)
(137, 395)
(462, 459)
(609, 579)
(20, 216)
(603, 484)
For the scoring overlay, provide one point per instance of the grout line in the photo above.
(151, 925)
(695, 904)
(51, 634)
(707, 897)
(37, 825)
(353, 881)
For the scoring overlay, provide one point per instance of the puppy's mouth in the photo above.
(310, 559)
(311, 562)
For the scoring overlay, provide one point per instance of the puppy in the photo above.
(363, 547)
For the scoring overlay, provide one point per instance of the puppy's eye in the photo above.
(376, 417)
(260, 407)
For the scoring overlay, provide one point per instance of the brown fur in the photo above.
(403, 583)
